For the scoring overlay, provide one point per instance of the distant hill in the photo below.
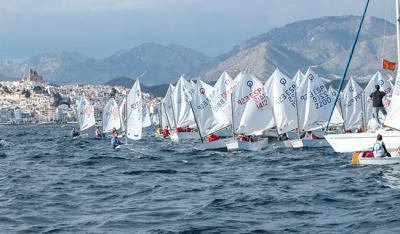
(157, 90)
(153, 63)
(322, 42)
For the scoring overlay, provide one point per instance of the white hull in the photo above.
(283, 144)
(235, 145)
(358, 159)
(176, 137)
(351, 142)
(308, 143)
(214, 145)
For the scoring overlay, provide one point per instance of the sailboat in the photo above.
(146, 115)
(111, 116)
(251, 112)
(182, 112)
(85, 112)
(282, 92)
(224, 87)
(134, 115)
(313, 105)
(166, 110)
(356, 142)
(352, 105)
(209, 110)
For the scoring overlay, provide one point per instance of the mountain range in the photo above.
(322, 42)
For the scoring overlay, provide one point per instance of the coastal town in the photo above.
(32, 100)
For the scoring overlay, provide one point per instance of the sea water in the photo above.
(51, 183)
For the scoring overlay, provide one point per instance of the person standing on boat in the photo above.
(377, 102)
(380, 148)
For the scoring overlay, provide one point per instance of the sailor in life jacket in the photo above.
(379, 148)
(310, 136)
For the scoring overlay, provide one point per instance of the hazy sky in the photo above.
(99, 28)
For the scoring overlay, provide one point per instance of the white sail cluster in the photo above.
(247, 106)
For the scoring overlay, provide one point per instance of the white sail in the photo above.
(338, 112)
(122, 113)
(134, 121)
(85, 112)
(393, 116)
(224, 87)
(318, 102)
(111, 116)
(385, 86)
(281, 90)
(252, 110)
(298, 77)
(155, 119)
(181, 104)
(208, 108)
(167, 110)
(146, 115)
(352, 105)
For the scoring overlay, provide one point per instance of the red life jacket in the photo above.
(166, 132)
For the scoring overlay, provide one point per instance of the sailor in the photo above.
(159, 132)
(380, 148)
(212, 137)
(115, 140)
(99, 133)
(74, 133)
(373, 124)
(377, 102)
(166, 132)
(310, 136)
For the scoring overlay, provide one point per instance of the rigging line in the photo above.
(347, 64)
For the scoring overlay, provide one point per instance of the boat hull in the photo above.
(236, 145)
(308, 143)
(351, 142)
(283, 144)
(177, 137)
(358, 159)
(214, 145)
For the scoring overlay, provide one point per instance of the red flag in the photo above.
(388, 65)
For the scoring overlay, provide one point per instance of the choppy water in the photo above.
(52, 184)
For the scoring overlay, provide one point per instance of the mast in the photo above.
(195, 120)
(297, 114)
(398, 31)
(349, 60)
(173, 111)
(233, 124)
(126, 118)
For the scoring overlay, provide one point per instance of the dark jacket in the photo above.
(377, 98)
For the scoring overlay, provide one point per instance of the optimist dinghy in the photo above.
(359, 158)
(214, 145)
(309, 143)
(177, 137)
(237, 145)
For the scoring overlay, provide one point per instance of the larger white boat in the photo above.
(351, 142)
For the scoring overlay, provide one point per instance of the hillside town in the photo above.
(32, 100)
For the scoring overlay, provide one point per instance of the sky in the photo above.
(99, 28)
